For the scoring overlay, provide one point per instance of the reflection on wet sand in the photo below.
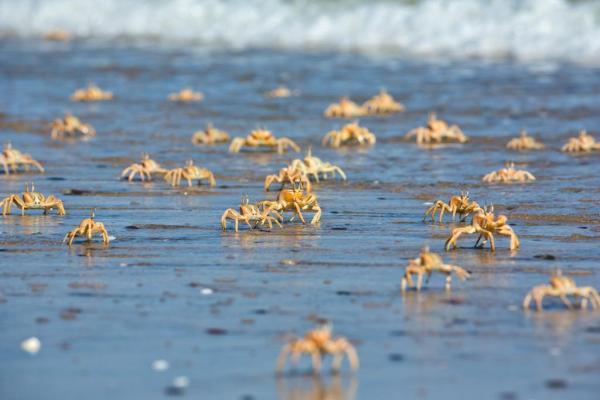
(314, 387)
(28, 224)
(293, 236)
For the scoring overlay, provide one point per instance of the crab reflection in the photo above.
(314, 387)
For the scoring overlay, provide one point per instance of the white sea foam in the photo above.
(523, 29)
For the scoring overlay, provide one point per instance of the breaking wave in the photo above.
(521, 29)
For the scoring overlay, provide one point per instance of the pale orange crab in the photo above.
(318, 343)
(289, 175)
(91, 93)
(185, 96)
(562, 286)
(350, 134)
(582, 143)
(190, 172)
(312, 166)
(486, 225)
(296, 200)
(509, 174)
(87, 228)
(11, 158)
(251, 214)
(426, 264)
(263, 138)
(32, 200)
(437, 131)
(346, 108)
(524, 142)
(145, 169)
(210, 135)
(57, 35)
(382, 103)
(280, 92)
(71, 127)
(461, 205)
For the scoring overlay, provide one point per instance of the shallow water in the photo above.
(105, 314)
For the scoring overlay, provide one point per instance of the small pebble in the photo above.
(181, 382)
(160, 365)
(31, 345)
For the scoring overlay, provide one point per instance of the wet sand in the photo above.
(104, 314)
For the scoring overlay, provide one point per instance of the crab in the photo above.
(582, 143)
(263, 138)
(426, 264)
(296, 200)
(280, 91)
(190, 172)
(509, 174)
(437, 131)
(145, 169)
(186, 95)
(460, 205)
(57, 35)
(290, 175)
(210, 135)
(313, 166)
(349, 134)
(346, 108)
(524, 142)
(382, 103)
(88, 227)
(486, 225)
(32, 200)
(91, 93)
(11, 158)
(71, 127)
(562, 286)
(318, 343)
(251, 214)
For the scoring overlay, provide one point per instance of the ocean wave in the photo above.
(521, 29)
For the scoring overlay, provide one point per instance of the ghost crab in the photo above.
(87, 228)
(280, 92)
(263, 138)
(582, 143)
(437, 131)
(313, 166)
(562, 286)
(524, 142)
(251, 214)
(508, 174)
(349, 134)
(486, 225)
(11, 158)
(382, 103)
(91, 93)
(460, 205)
(190, 172)
(289, 175)
(185, 96)
(346, 108)
(145, 169)
(32, 200)
(295, 200)
(70, 127)
(426, 264)
(210, 135)
(318, 343)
